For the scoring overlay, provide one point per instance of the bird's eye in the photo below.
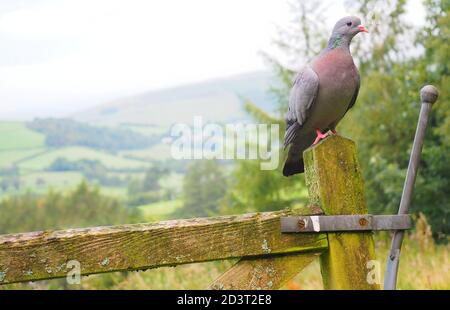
(349, 24)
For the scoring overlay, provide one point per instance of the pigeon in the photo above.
(322, 93)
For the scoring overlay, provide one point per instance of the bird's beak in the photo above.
(361, 28)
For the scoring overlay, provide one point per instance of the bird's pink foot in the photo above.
(319, 137)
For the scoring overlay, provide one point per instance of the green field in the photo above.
(116, 192)
(156, 152)
(160, 210)
(74, 153)
(25, 149)
(146, 130)
(15, 135)
(10, 157)
(172, 181)
(41, 181)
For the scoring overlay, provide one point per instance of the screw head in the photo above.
(362, 221)
(302, 223)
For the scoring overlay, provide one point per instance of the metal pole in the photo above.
(428, 96)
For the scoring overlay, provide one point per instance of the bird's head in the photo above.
(345, 29)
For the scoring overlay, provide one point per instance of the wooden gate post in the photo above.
(335, 184)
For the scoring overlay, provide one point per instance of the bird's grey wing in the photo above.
(302, 97)
(350, 105)
(355, 95)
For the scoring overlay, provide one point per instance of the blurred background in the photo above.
(89, 91)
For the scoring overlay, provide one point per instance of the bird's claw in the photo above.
(320, 136)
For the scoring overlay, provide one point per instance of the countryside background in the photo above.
(111, 163)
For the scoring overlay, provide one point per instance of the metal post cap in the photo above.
(429, 93)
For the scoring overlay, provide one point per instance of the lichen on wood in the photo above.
(45, 254)
(335, 185)
(264, 273)
(271, 272)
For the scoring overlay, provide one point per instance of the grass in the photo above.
(420, 269)
(156, 152)
(120, 193)
(160, 210)
(10, 157)
(41, 181)
(423, 264)
(73, 153)
(193, 276)
(15, 135)
(172, 181)
(146, 130)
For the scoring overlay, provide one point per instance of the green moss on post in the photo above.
(335, 184)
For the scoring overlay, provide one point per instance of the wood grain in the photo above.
(45, 254)
(264, 273)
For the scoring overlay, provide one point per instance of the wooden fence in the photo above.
(268, 258)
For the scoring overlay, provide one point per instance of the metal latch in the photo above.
(335, 223)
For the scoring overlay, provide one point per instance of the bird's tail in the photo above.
(294, 163)
(293, 167)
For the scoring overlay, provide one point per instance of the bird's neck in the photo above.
(338, 41)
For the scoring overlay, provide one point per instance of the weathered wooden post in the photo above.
(335, 184)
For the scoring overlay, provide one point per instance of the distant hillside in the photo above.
(216, 100)
(67, 132)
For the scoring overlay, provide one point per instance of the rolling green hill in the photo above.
(25, 159)
(216, 100)
(121, 139)
(25, 162)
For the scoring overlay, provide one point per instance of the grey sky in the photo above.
(62, 56)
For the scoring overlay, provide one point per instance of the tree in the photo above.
(146, 190)
(204, 186)
(395, 60)
(384, 119)
(251, 188)
(82, 207)
(152, 177)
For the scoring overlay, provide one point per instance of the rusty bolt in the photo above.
(302, 223)
(362, 222)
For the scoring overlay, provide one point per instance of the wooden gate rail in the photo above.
(268, 257)
(44, 255)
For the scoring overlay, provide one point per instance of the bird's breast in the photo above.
(338, 78)
(337, 71)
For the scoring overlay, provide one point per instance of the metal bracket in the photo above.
(334, 223)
